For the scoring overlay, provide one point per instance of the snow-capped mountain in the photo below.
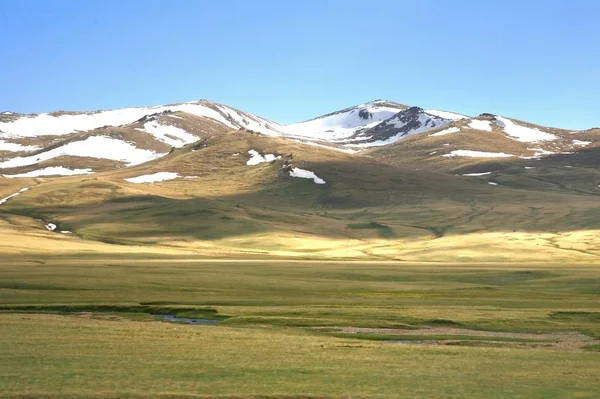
(61, 123)
(345, 123)
(403, 124)
(100, 140)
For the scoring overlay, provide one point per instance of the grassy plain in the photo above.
(78, 326)
(310, 282)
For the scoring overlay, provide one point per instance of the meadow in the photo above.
(80, 326)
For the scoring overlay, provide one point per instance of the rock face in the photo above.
(405, 123)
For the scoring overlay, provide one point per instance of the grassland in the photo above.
(80, 326)
(491, 291)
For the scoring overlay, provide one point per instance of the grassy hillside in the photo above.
(366, 209)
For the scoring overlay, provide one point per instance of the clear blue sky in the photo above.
(537, 60)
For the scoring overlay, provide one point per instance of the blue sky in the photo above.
(292, 60)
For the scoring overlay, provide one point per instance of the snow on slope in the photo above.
(252, 122)
(306, 174)
(445, 114)
(3, 200)
(575, 142)
(477, 154)
(95, 147)
(46, 124)
(523, 133)
(168, 134)
(480, 125)
(52, 171)
(153, 178)
(345, 123)
(256, 158)
(477, 174)
(14, 147)
(404, 124)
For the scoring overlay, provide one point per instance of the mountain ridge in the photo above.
(145, 133)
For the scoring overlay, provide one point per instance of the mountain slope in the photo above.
(63, 142)
(236, 192)
(346, 123)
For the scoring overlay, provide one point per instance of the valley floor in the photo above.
(81, 326)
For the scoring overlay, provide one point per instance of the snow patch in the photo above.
(540, 152)
(153, 178)
(252, 122)
(66, 232)
(51, 227)
(52, 171)
(478, 174)
(523, 133)
(492, 183)
(306, 174)
(256, 158)
(46, 124)
(575, 142)
(15, 147)
(444, 132)
(3, 200)
(343, 124)
(426, 122)
(445, 114)
(480, 125)
(477, 154)
(94, 147)
(168, 134)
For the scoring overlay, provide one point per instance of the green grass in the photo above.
(102, 343)
(400, 337)
(382, 230)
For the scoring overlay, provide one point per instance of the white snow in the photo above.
(306, 174)
(346, 150)
(171, 135)
(492, 183)
(45, 124)
(477, 154)
(426, 122)
(575, 142)
(3, 200)
(540, 152)
(480, 125)
(477, 174)
(52, 171)
(15, 147)
(523, 133)
(252, 122)
(153, 178)
(445, 114)
(529, 167)
(256, 158)
(94, 147)
(444, 132)
(51, 226)
(7, 113)
(66, 232)
(343, 124)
